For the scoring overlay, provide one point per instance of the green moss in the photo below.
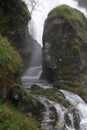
(51, 93)
(74, 45)
(10, 60)
(74, 17)
(14, 13)
(10, 66)
(75, 86)
(12, 119)
(17, 86)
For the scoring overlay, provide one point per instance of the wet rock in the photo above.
(64, 44)
(31, 106)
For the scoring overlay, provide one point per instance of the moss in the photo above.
(51, 93)
(13, 14)
(13, 119)
(74, 17)
(29, 104)
(10, 65)
(15, 86)
(73, 86)
(10, 59)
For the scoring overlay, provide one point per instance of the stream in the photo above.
(54, 116)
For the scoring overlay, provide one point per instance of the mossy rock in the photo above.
(32, 106)
(65, 44)
(35, 87)
(16, 93)
(76, 19)
(14, 17)
(13, 14)
(51, 94)
(73, 86)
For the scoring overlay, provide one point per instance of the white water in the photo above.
(41, 11)
(32, 76)
(61, 112)
(80, 105)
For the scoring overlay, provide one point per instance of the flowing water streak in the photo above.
(61, 112)
(39, 15)
(78, 103)
(32, 76)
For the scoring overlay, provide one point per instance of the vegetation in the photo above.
(10, 65)
(74, 17)
(13, 119)
(73, 86)
(13, 14)
(66, 34)
(51, 93)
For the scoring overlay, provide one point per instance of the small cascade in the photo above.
(65, 119)
(32, 76)
(54, 116)
(57, 117)
(80, 105)
(48, 115)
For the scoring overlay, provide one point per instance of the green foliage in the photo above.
(74, 17)
(12, 119)
(10, 60)
(13, 14)
(10, 66)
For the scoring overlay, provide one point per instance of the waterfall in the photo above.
(32, 76)
(55, 116)
(79, 104)
(41, 11)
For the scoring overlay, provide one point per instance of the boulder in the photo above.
(64, 44)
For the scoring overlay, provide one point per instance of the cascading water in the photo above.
(79, 104)
(57, 117)
(41, 11)
(64, 118)
(32, 76)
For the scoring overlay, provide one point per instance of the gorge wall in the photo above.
(14, 18)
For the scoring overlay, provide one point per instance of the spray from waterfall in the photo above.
(41, 11)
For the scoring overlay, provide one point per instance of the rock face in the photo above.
(82, 3)
(14, 18)
(64, 44)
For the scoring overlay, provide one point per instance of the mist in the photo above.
(41, 11)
